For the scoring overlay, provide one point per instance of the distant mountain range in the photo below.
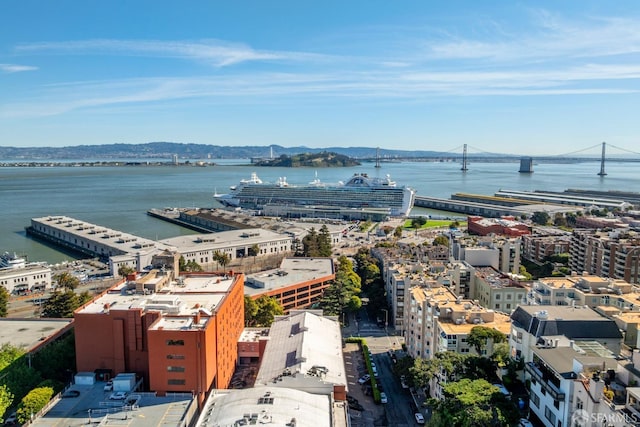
(167, 150)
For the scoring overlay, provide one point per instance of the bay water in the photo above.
(118, 197)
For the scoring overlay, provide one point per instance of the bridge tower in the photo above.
(602, 172)
(526, 165)
(464, 158)
(378, 157)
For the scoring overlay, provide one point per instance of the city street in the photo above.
(399, 411)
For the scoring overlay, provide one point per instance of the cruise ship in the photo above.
(8, 260)
(359, 192)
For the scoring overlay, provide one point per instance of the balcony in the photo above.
(542, 378)
(542, 291)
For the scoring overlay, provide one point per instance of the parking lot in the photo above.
(371, 414)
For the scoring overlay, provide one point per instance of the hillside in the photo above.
(316, 160)
(165, 150)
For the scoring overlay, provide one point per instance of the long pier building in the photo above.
(120, 248)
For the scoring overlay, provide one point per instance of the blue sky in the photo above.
(537, 77)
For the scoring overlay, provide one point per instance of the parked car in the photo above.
(525, 423)
(403, 381)
(70, 393)
(118, 395)
(11, 420)
(419, 418)
(383, 397)
(108, 386)
(364, 379)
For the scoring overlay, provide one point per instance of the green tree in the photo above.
(4, 301)
(480, 335)
(501, 353)
(397, 233)
(57, 361)
(254, 251)
(324, 242)
(125, 270)
(192, 266)
(540, 218)
(559, 220)
(9, 354)
(20, 378)
(354, 303)
(525, 273)
(33, 402)
(418, 222)
(370, 273)
(441, 241)
(221, 258)
(474, 403)
(311, 244)
(63, 304)
(6, 400)
(421, 372)
(250, 311)
(67, 280)
(266, 308)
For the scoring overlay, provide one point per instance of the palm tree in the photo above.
(224, 259)
(254, 251)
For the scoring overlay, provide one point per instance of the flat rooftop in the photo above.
(501, 322)
(29, 333)
(92, 406)
(222, 239)
(301, 341)
(562, 312)
(266, 405)
(119, 240)
(292, 271)
(495, 279)
(184, 297)
(253, 334)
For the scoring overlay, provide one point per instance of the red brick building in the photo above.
(297, 284)
(177, 335)
(506, 226)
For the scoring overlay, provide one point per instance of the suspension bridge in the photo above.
(463, 155)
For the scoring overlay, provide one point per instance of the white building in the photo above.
(304, 352)
(532, 325)
(27, 279)
(568, 383)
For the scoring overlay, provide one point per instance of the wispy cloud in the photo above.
(215, 52)
(554, 57)
(550, 38)
(15, 68)
(385, 84)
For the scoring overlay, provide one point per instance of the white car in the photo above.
(383, 397)
(525, 423)
(419, 418)
(364, 379)
(118, 395)
(11, 420)
(108, 386)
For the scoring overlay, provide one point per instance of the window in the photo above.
(175, 356)
(535, 399)
(175, 342)
(176, 382)
(175, 368)
(549, 415)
